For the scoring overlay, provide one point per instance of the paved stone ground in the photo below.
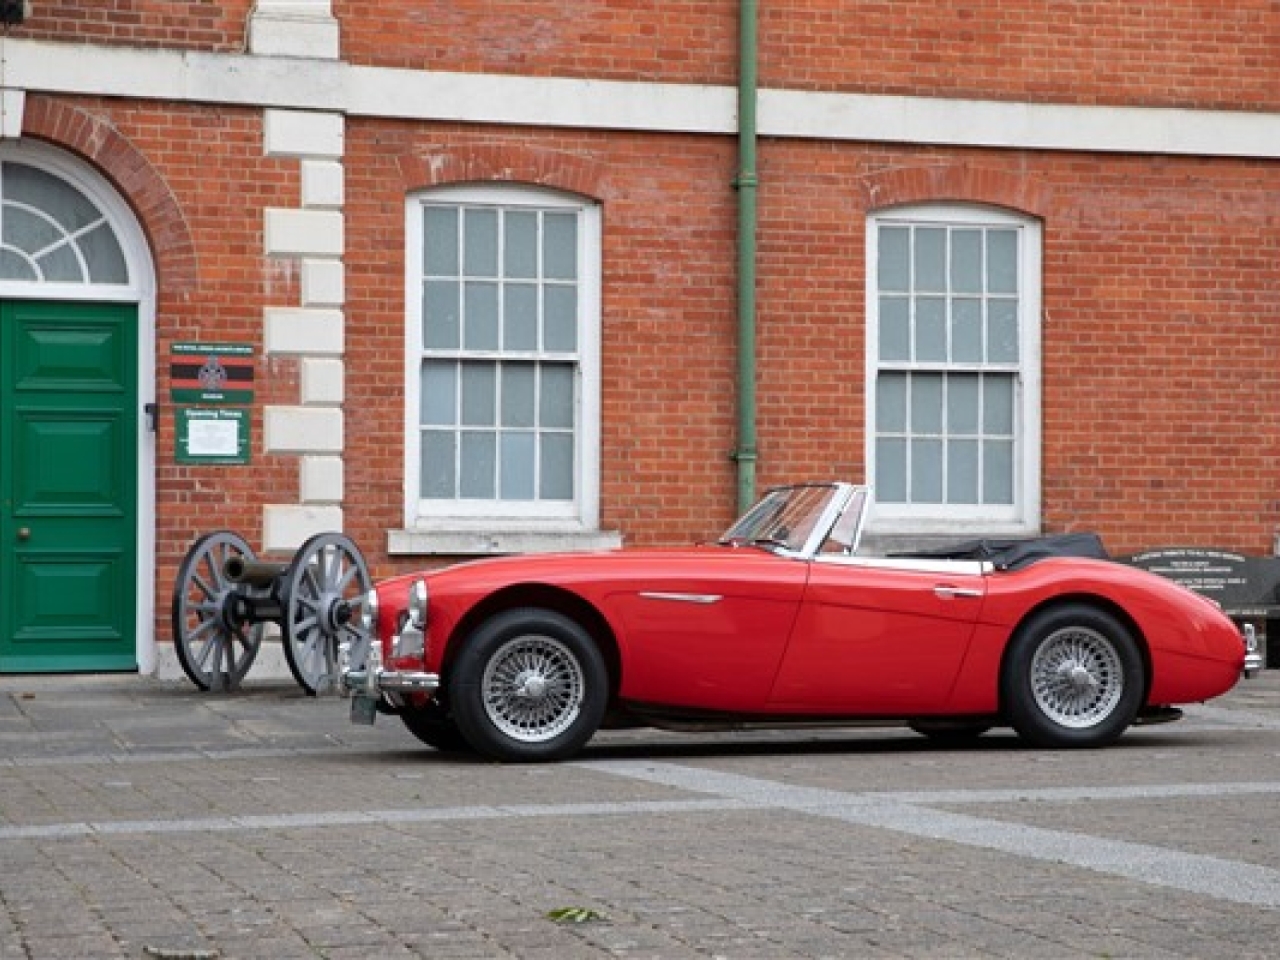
(144, 819)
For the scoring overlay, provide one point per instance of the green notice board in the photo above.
(213, 436)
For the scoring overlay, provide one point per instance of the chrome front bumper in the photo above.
(371, 680)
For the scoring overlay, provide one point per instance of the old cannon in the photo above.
(224, 598)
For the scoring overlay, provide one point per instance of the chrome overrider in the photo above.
(1255, 658)
(360, 661)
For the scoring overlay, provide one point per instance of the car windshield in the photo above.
(803, 519)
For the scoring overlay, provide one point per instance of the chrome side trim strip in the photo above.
(703, 598)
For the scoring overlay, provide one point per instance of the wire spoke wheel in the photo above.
(533, 688)
(214, 643)
(324, 590)
(1077, 677)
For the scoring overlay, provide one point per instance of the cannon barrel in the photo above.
(254, 573)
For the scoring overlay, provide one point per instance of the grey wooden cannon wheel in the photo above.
(323, 591)
(214, 645)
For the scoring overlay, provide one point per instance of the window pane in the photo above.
(516, 477)
(997, 405)
(479, 400)
(480, 249)
(556, 401)
(926, 471)
(438, 464)
(440, 241)
(439, 406)
(966, 331)
(1002, 331)
(441, 314)
(61, 265)
(518, 402)
(1002, 261)
(42, 191)
(931, 330)
(14, 267)
(926, 404)
(895, 329)
(997, 471)
(891, 470)
(560, 319)
(481, 331)
(962, 405)
(479, 460)
(962, 471)
(931, 259)
(894, 272)
(520, 245)
(27, 231)
(556, 467)
(101, 251)
(966, 261)
(891, 403)
(560, 246)
(520, 316)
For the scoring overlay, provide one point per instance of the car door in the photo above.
(707, 631)
(879, 636)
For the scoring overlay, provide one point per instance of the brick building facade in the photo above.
(1015, 264)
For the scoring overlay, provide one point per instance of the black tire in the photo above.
(434, 727)
(529, 685)
(950, 732)
(1072, 677)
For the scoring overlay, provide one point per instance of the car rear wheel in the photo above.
(529, 685)
(434, 727)
(1072, 677)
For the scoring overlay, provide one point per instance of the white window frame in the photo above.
(483, 526)
(1023, 516)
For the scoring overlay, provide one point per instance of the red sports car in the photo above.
(784, 621)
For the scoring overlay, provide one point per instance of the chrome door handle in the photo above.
(948, 592)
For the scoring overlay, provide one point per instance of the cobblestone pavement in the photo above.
(144, 819)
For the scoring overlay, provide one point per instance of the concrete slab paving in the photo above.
(141, 818)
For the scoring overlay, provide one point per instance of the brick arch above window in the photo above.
(505, 162)
(958, 182)
(95, 139)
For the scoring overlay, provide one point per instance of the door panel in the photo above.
(68, 429)
(878, 641)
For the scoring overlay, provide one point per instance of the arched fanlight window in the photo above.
(50, 232)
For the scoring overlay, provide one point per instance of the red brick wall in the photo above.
(1204, 53)
(1161, 354)
(675, 40)
(198, 183)
(1174, 53)
(186, 24)
(668, 321)
(1160, 274)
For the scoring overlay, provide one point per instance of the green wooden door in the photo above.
(68, 485)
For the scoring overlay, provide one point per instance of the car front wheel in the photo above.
(1073, 677)
(528, 685)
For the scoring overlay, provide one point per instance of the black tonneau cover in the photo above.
(1016, 554)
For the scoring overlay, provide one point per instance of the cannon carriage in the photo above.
(225, 597)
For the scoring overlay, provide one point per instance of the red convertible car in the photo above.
(784, 621)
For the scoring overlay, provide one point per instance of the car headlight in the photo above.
(369, 613)
(418, 603)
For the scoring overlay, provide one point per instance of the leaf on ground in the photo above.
(574, 915)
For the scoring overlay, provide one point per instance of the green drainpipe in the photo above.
(746, 184)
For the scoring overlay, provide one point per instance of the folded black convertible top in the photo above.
(1016, 554)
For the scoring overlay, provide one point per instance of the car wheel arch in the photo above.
(541, 597)
(1094, 601)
